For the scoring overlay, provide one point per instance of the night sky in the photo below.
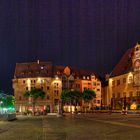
(90, 34)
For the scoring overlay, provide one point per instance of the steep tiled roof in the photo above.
(33, 69)
(46, 69)
(124, 65)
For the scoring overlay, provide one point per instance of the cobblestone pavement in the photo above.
(72, 127)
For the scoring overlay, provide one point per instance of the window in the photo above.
(34, 81)
(88, 77)
(48, 88)
(118, 95)
(24, 82)
(98, 89)
(48, 97)
(26, 88)
(20, 98)
(138, 93)
(124, 94)
(131, 94)
(42, 81)
(42, 88)
(98, 101)
(56, 92)
(94, 83)
(98, 84)
(113, 95)
(85, 88)
(56, 85)
(130, 79)
(124, 80)
(118, 82)
(113, 83)
(77, 85)
(84, 77)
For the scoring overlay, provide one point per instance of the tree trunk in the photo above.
(70, 107)
(33, 106)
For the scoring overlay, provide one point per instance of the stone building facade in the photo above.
(124, 81)
(52, 79)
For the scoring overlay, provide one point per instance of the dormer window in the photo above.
(84, 77)
(88, 77)
(92, 77)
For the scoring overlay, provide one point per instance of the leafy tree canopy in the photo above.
(35, 93)
(89, 95)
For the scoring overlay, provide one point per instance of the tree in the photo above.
(10, 100)
(71, 97)
(65, 97)
(35, 93)
(88, 95)
(76, 97)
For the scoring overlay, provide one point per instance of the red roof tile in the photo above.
(124, 65)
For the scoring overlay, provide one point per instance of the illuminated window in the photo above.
(84, 77)
(56, 85)
(92, 77)
(130, 79)
(42, 67)
(88, 77)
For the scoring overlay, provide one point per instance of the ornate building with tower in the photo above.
(124, 81)
(52, 79)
